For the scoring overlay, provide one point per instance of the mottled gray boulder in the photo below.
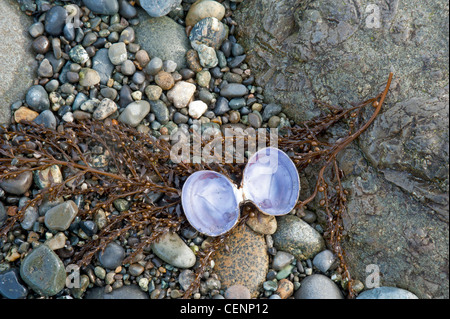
(17, 63)
(163, 38)
(397, 172)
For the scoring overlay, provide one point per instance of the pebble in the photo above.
(37, 98)
(387, 293)
(281, 260)
(60, 217)
(186, 278)
(118, 53)
(134, 113)
(105, 7)
(56, 242)
(324, 260)
(233, 90)
(285, 288)
(125, 292)
(128, 68)
(237, 292)
(210, 32)
(112, 257)
(3, 214)
(222, 106)
(126, 10)
(105, 109)
(46, 119)
(153, 92)
(197, 109)
(102, 64)
(159, 108)
(203, 78)
(46, 177)
(181, 94)
(193, 60)
(41, 45)
(78, 54)
(255, 119)
(260, 223)
(159, 8)
(207, 57)
(10, 285)
(55, 20)
(164, 80)
(204, 9)
(43, 271)
(36, 29)
(172, 249)
(89, 77)
(246, 263)
(297, 238)
(30, 215)
(45, 69)
(17, 185)
(318, 287)
(274, 122)
(170, 66)
(271, 110)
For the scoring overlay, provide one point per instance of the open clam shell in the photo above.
(271, 182)
(211, 202)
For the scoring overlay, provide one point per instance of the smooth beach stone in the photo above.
(204, 9)
(46, 177)
(159, 8)
(112, 257)
(47, 119)
(233, 90)
(172, 249)
(55, 20)
(17, 185)
(37, 98)
(43, 271)
(318, 287)
(135, 113)
(324, 260)
(118, 53)
(10, 285)
(78, 54)
(89, 77)
(387, 293)
(61, 216)
(106, 108)
(159, 108)
(102, 64)
(197, 109)
(209, 31)
(106, 7)
(181, 94)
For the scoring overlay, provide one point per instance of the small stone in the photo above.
(17, 185)
(127, 36)
(204, 9)
(274, 121)
(324, 260)
(112, 257)
(43, 271)
(270, 285)
(170, 66)
(237, 61)
(193, 60)
(45, 69)
(186, 278)
(106, 7)
(318, 287)
(197, 109)
(106, 108)
(89, 77)
(36, 29)
(55, 19)
(181, 94)
(203, 78)
(78, 54)
(172, 249)
(128, 68)
(37, 98)
(164, 80)
(285, 288)
(159, 8)
(136, 269)
(281, 260)
(161, 111)
(3, 214)
(153, 92)
(102, 64)
(237, 292)
(46, 119)
(233, 90)
(234, 118)
(271, 110)
(89, 227)
(56, 242)
(135, 113)
(142, 58)
(154, 66)
(260, 223)
(46, 177)
(118, 53)
(387, 293)
(222, 106)
(209, 31)
(10, 286)
(207, 56)
(60, 217)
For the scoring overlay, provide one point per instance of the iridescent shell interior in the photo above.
(271, 182)
(209, 203)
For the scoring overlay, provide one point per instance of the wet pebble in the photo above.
(237, 292)
(106, 108)
(55, 19)
(106, 7)
(134, 113)
(112, 257)
(174, 251)
(37, 98)
(17, 185)
(11, 286)
(318, 287)
(324, 260)
(60, 217)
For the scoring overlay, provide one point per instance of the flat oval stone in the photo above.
(43, 271)
(159, 8)
(298, 238)
(318, 287)
(61, 216)
(172, 249)
(112, 257)
(135, 113)
(246, 263)
(233, 90)
(387, 293)
(106, 7)
(55, 20)
(18, 185)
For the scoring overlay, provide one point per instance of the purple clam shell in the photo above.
(210, 203)
(271, 182)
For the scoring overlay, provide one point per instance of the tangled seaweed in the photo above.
(139, 169)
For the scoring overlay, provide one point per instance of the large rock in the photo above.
(163, 38)
(17, 63)
(397, 214)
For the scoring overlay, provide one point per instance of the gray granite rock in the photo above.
(159, 8)
(112, 256)
(134, 113)
(318, 287)
(387, 293)
(106, 7)
(150, 31)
